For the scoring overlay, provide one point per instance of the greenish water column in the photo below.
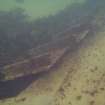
(37, 8)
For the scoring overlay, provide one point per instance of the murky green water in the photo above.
(54, 57)
(37, 8)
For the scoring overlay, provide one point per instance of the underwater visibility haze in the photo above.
(37, 8)
(52, 52)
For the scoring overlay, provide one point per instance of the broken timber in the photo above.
(44, 57)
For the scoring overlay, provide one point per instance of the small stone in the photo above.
(78, 97)
(102, 89)
(92, 102)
